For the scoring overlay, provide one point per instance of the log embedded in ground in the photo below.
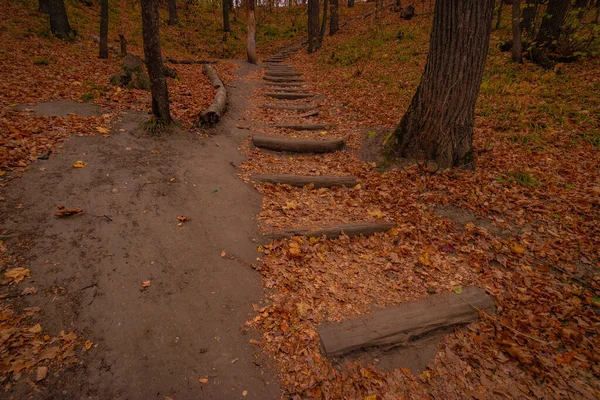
(332, 232)
(298, 145)
(282, 73)
(289, 90)
(213, 114)
(287, 79)
(405, 324)
(174, 61)
(303, 180)
(285, 84)
(291, 108)
(305, 127)
(290, 96)
(305, 115)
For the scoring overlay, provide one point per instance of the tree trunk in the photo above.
(44, 7)
(517, 47)
(251, 45)
(323, 22)
(499, 14)
(173, 18)
(59, 22)
(552, 24)
(123, 43)
(104, 29)
(313, 25)
(438, 125)
(334, 21)
(529, 12)
(158, 83)
(350, 3)
(226, 27)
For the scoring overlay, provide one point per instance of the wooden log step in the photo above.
(407, 323)
(298, 145)
(289, 96)
(282, 73)
(305, 115)
(285, 84)
(289, 90)
(291, 108)
(305, 127)
(335, 231)
(282, 79)
(303, 180)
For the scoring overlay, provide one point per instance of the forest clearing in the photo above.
(299, 200)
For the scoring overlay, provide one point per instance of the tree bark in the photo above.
(123, 43)
(517, 47)
(323, 22)
(173, 18)
(226, 27)
(44, 7)
(251, 45)
(104, 29)
(59, 22)
(313, 25)
(552, 24)
(499, 14)
(439, 122)
(529, 12)
(350, 3)
(158, 83)
(334, 21)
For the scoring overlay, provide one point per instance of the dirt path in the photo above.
(156, 342)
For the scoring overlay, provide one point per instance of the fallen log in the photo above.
(282, 79)
(285, 84)
(298, 145)
(305, 115)
(278, 74)
(291, 108)
(213, 114)
(289, 96)
(174, 61)
(303, 180)
(289, 90)
(405, 324)
(305, 127)
(335, 231)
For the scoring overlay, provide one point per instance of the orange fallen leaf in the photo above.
(146, 284)
(67, 212)
(88, 344)
(79, 164)
(15, 275)
(203, 380)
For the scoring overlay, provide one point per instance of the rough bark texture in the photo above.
(251, 44)
(517, 47)
(213, 114)
(297, 145)
(158, 83)
(313, 25)
(104, 29)
(335, 231)
(173, 18)
(226, 27)
(407, 323)
(438, 125)
(334, 21)
(323, 22)
(304, 180)
(44, 6)
(529, 12)
(552, 24)
(59, 22)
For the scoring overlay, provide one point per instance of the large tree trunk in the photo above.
(323, 22)
(350, 3)
(529, 13)
(517, 47)
(334, 21)
(104, 29)
(173, 18)
(44, 7)
(313, 25)
(158, 83)
(552, 24)
(226, 27)
(59, 22)
(438, 125)
(251, 45)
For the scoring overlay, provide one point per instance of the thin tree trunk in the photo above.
(499, 14)
(251, 45)
(104, 29)
(517, 47)
(529, 12)
(158, 83)
(334, 21)
(323, 22)
(350, 3)
(313, 25)
(226, 27)
(173, 18)
(123, 43)
(552, 24)
(439, 122)
(59, 22)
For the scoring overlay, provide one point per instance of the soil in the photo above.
(153, 342)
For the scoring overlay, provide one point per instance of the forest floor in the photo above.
(126, 300)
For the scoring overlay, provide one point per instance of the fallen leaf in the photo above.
(66, 212)
(102, 130)
(223, 254)
(29, 290)
(146, 284)
(245, 393)
(376, 213)
(16, 275)
(36, 328)
(203, 380)
(424, 260)
(79, 164)
(41, 373)
(88, 344)
(182, 218)
(517, 248)
(457, 289)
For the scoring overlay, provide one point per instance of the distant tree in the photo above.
(104, 29)
(323, 22)
(59, 22)
(334, 21)
(158, 83)
(251, 43)
(350, 3)
(517, 29)
(173, 18)
(552, 24)
(529, 13)
(313, 25)
(438, 125)
(499, 18)
(225, 5)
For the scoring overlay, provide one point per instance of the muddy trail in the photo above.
(163, 301)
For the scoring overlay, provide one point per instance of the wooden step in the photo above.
(290, 96)
(298, 145)
(306, 107)
(335, 231)
(282, 79)
(280, 74)
(305, 115)
(284, 84)
(289, 90)
(303, 180)
(406, 324)
(305, 127)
